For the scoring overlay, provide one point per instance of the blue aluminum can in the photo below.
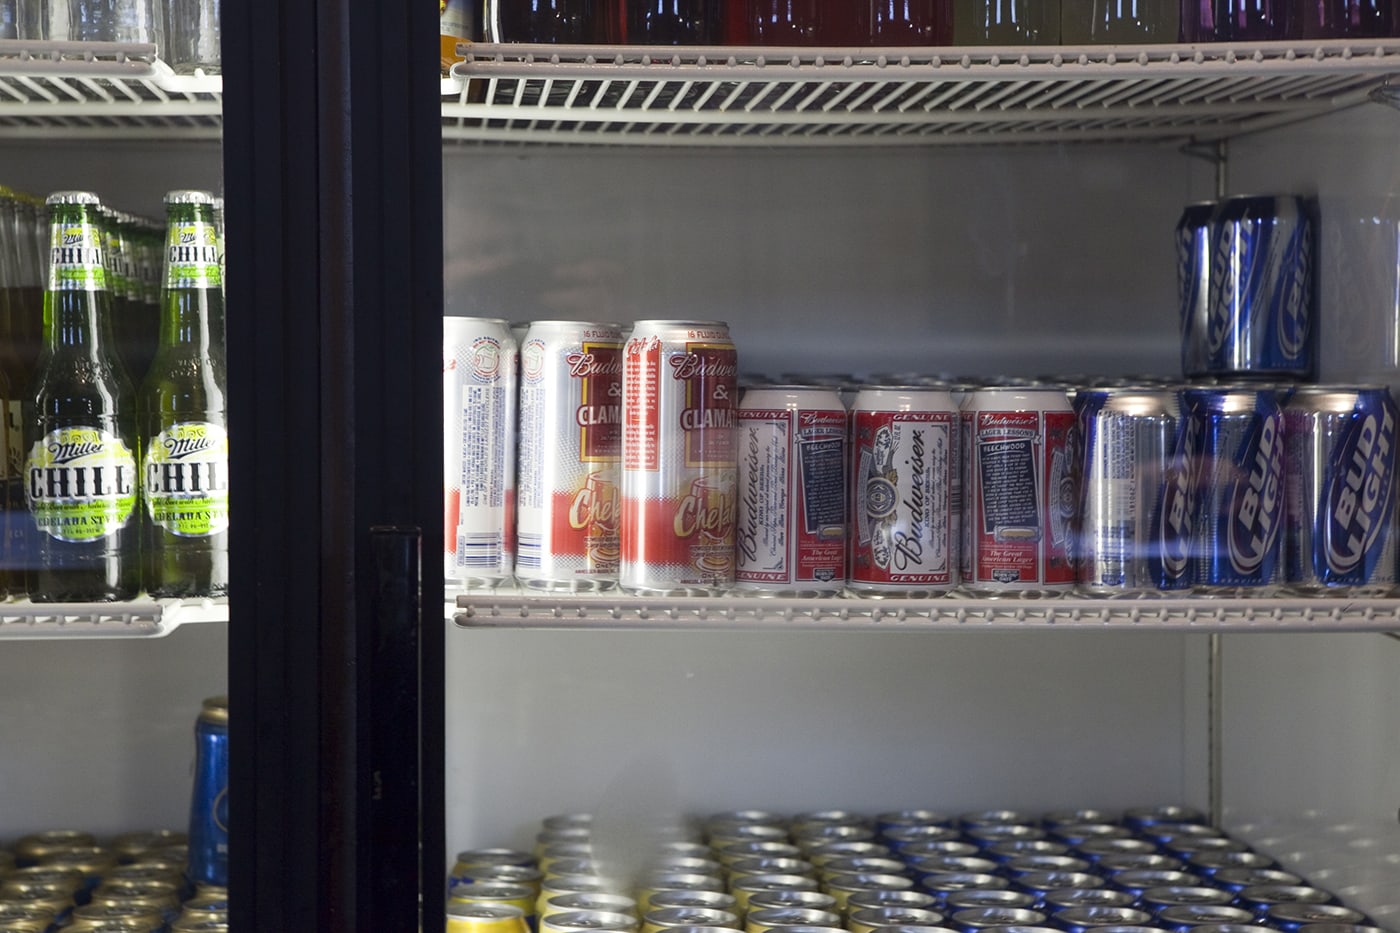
(938, 849)
(884, 822)
(1238, 525)
(1184, 918)
(1260, 317)
(1341, 521)
(984, 918)
(1290, 918)
(904, 839)
(1194, 252)
(1009, 849)
(1076, 834)
(1166, 832)
(208, 833)
(1057, 818)
(1084, 919)
(1041, 883)
(1059, 899)
(1096, 850)
(1237, 879)
(1138, 883)
(1028, 864)
(1260, 897)
(1161, 898)
(1208, 864)
(1140, 818)
(940, 886)
(989, 897)
(1112, 865)
(926, 866)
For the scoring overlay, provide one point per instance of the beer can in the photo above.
(552, 887)
(569, 463)
(986, 918)
(769, 918)
(803, 900)
(472, 861)
(131, 846)
(978, 819)
(749, 885)
(1085, 918)
(1261, 315)
(906, 899)
(652, 883)
(463, 917)
(26, 924)
(820, 834)
(1004, 850)
(1182, 918)
(868, 919)
(667, 917)
(679, 405)
(707, 900)
(905, 492)
(31, 849)
(940, 886)
(1290, 918)
(1237, 879)
(494, 893)
(842, 887)
(896, 819)
(1340, 514)
(755, 848)
(1030, 864)
(1138, 883)
(1209, 864)
(1020, 459)
(988, 897)
(1096, 850)
(1158, 899)
(790, 538)
(146, 918)
(771, 865)
(200, 925)
(1260, 897)
(1129, 436)
(208, 833)
(828, 852)
(1058, 899)
(1111, 865)
(921, 866)
(601, 920)
(1194, 253)
(588, 900)
(479, 369)
(1238, 524)
(1193, 846)
(1053, 819)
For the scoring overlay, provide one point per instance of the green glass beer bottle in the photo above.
(181, 409)
(80, 470)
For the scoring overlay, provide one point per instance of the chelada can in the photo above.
(1129, 436)
(1021, 502)
(1238, 524)
(680, 400)
(1340, 514)
(570, 456)
(479, 366)
(905, 489)
(791, 533)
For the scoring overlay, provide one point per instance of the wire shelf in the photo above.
(508, 608)
(145, 618)
(888, 97)
(102, 89)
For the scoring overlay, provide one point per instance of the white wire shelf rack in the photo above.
(509, 608)
(768, 98)
(145, 618)
(105, 90)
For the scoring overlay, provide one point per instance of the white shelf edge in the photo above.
(22, 620)
(508, 608)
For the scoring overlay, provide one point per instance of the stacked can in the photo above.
(905, 491)
(1128, 436)
(1340, 516)
(479, 366)
(1021, 499)
(679, 405)
(1237, 520)
(791, 533)
(570, 456)
(1247, 288)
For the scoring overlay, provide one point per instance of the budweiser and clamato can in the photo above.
(1193, 258)
(1238, 521)
(570, 456)
(680, 400)
(1128, 437)
(1259, 290)
(1340, 515)
(1021, 496)
(905, 488)
(791, 533)
(479, 406)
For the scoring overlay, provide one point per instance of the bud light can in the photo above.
(570, 453)
(1021, 502)
(479, 365)
(1290, 918)
(791, 534)
(904, 490)
(208, 834)
(1260, 320)
(1341, 518)
(1129, 438)
(1193, 261)
(680, 402)
(1239, 506)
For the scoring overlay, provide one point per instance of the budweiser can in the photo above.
(1021, 504)
(479, 404)
(570, 456)
(1339, 480)
(791, 534)
(680, 400)
(905, 489)
(1194, 251)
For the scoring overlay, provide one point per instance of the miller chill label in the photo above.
(679, 406)
(80, 483)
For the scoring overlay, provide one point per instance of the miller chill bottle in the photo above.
(184, 435)
(80, 470)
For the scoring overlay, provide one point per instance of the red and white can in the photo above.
(1020, 470)
(791, 534)
(479, 365)
(905, 490)
(680, 400)
(569, 469)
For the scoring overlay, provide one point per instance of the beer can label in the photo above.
(481, 506)
(903, 494)
(80, 483)
(1026, 497)
(192, 256)
(185, 480)
(792, 496)
(1241, 512)
(76, 258)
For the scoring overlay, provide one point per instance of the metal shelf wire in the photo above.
(631, 95)
(509, 608)
(108, 90)
(143, 618)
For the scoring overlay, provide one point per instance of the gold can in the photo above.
(25, 925)
(95, 916)
(755, 848)
(166, 905)
(143, 871)
(670, 917)
(199, 926)
(747, 886)
(589, 920)
(492, 894)
(32, 848)
(131, 846)
(56, 878)
(854, 848)
(868, 919)
(472, 862)
(464, 917)
(589, 900)
(93, 861)
(707, 900)
(56, 906)
(685, 864)
(805, 900)
(842, 887)
(724, 835)
(574, 884)
(673, 881)
(211, 903)
(820, 834)
(25, 916)
(762, 921)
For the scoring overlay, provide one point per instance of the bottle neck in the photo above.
(187, 320)
(192, 300)
(76, 300)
